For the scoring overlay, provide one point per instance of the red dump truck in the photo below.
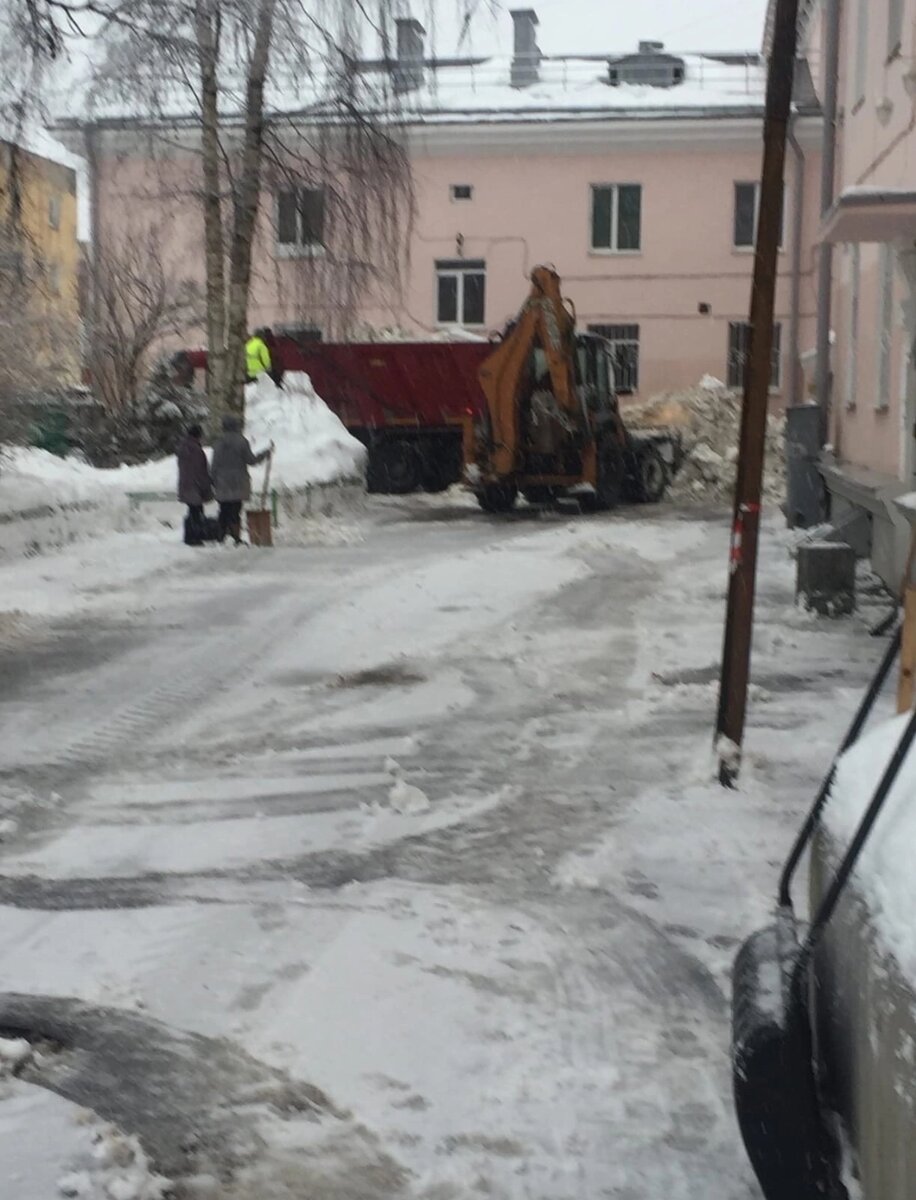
(407, 402)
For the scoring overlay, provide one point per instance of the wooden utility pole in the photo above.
(736, 655)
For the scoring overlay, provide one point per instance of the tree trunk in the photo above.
(245, 209)
(207, 31)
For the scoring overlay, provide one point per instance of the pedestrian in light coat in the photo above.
(232, 456)
(195, 488)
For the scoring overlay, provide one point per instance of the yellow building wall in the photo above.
(39, 264)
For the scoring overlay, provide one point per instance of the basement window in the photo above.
(739, 344)
(624, 341)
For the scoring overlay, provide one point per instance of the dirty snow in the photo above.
(13, 1053)
(522, 987)
(709, 418)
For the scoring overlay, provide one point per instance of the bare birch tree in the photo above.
(267, 86)
(138, 303)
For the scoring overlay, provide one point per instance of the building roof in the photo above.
(35, 140)
(579, 86)
(479, 91)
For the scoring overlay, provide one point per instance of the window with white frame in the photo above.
(851, 382)
(885, 326)
(747, 214)
(624, 341)
(894, 27)
(300, 219)
(461, 291)
(617, 217)
(739, 344)
(860, 50)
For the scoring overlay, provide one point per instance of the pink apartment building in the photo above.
(870, 231)
(633, 173)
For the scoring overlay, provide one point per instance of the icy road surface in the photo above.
(389, 866)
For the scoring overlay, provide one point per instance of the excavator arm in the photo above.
(543, 322)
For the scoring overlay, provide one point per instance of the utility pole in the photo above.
(739, 620)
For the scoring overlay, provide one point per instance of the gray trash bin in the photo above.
(806, 501)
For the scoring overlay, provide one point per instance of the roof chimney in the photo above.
(526, 58)
(408, 71)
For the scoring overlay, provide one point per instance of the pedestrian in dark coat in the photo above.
(232, 456)
(195, 488)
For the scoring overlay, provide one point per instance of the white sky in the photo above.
(594, 26)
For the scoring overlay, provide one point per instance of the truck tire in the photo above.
(498, 497)
(609, 484)
(436, 477)
(651, 476)
(540, 494)
(394, 467)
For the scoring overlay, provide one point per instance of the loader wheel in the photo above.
(609, 484)
(498, 497)
(651, 476)
(394, 467)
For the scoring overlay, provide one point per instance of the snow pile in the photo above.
(709, 418)
(405, 798)
(885, 872)
(30, 478)
(118, 1170)
(396, 333)
(14, 1053)
(312, 445)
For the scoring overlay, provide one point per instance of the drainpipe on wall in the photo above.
(828, 185)
(798, 232)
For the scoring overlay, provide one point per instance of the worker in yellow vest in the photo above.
(257, 355)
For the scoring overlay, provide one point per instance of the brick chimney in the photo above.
(408, 71)
(526, 58)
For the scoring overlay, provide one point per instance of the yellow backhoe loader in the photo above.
(550, 423)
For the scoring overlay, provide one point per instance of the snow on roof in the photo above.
(38, 141)
(480, 89)
(571, 85)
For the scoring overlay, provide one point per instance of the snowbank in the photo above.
(885, 872)
(47, 501)
(312, 445)
(709, 417)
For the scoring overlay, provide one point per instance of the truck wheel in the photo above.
(651, 476)
(540, 494)
(498, 497)
(609, 484)
(394, 467)
(436, 477)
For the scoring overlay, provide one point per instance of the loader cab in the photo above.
(595, 373)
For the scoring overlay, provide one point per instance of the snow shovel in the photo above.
(259, 519)
(783, 1120)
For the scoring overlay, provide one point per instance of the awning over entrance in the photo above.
(872, 215)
